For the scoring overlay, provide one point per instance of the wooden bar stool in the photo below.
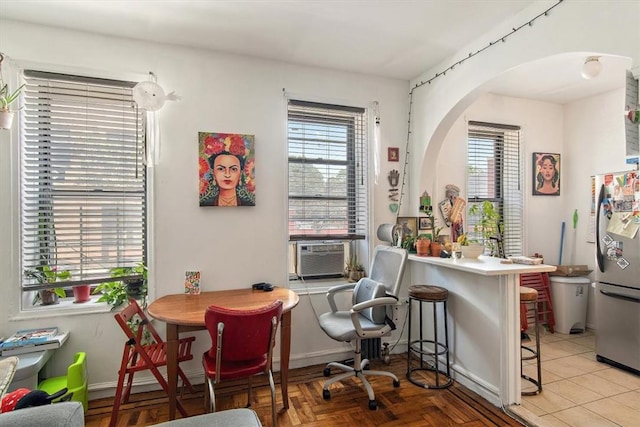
(529, 302)
(431, 349)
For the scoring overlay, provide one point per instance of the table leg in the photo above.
(285, 350)
(172, 367)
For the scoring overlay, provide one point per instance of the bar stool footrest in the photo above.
(426, 385)
(535, 383)
(442, 349)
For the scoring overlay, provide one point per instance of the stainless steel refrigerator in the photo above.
(617, 295)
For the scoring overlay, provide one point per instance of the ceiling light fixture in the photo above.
(150, 96)
(591, 67)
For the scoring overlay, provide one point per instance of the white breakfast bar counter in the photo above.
(484, 320)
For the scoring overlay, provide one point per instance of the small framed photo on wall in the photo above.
(424, 223)
(546, 174)
(393, 154)
(409, 225)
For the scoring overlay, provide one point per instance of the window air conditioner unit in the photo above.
(320, 259)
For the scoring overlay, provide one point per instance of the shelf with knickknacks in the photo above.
(393, 178)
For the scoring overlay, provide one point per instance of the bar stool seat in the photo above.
(529, 296)
(427, 348)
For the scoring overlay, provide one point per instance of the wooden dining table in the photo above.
(184, 313)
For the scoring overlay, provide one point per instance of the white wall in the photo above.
(231, 247)
(594, 144)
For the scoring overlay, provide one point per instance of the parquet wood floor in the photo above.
(407, 405)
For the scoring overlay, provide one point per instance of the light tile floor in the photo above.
(577, 390)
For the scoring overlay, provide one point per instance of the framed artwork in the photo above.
(424, 223)
(226, 167)
(393, 154)
(546, 174)
(409, 225)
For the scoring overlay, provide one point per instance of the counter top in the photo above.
(484, 265)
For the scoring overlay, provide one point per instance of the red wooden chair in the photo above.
(242, 346)
(144, 350)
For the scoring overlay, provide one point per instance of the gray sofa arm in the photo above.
(63, 414)
(241, 417)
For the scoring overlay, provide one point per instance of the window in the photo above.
(495, 174)
(83, 179)
(327, 172)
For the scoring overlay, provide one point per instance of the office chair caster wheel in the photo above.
(372, 405)
(326, 394)
(396, 383)
(326, 372)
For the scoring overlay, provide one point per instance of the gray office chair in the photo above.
(374, 314)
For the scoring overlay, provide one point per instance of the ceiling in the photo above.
(390, 38)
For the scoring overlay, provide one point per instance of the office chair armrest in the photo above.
(356, 309)
(373, 303)
(332, 291)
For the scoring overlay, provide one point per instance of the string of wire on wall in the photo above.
(495, 42)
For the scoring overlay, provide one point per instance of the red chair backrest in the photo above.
(247, 333)
(134, 313)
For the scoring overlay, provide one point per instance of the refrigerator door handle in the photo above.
(623, 297)
(599, 255)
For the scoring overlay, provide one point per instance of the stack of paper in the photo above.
(32, 340)
(525, 260)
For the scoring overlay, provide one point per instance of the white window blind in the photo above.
(327, 171)
(495, 174)
(83, 179)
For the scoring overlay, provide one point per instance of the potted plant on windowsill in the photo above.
(117, 292)
(46, 274)
(81, 293)
(7, 97)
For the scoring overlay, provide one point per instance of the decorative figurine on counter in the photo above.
(451, 209)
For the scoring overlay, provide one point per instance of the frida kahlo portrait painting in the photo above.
(226, 167)
(546, 174)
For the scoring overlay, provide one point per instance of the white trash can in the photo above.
(569, 298)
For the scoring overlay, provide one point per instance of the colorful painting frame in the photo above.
(545, 174)
(220, 150)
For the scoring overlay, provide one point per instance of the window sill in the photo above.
(66, 307)
(316, 286)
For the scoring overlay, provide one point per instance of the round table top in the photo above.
(188, 310)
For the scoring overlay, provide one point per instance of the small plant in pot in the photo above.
(354, 271)
(81, 293)
(7, 97)
(470, 248)
(46, 274)
(423, 242)
(436, 245)
(409, 243)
